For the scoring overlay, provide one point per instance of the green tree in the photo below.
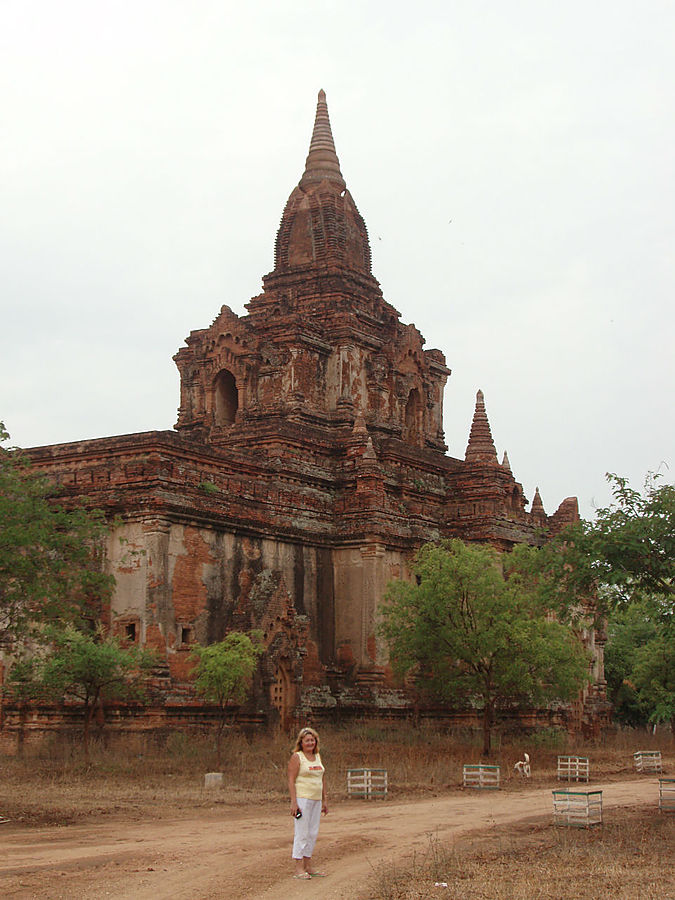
(51, 566)
(468, 634)
(625, 561)
(224, 672)
(629, 629)
(654, 675)
(633, 542)
(627, 554)
(92, 668)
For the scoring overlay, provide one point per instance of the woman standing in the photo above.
(307, 788)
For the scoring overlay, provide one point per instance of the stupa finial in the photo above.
(322, 161)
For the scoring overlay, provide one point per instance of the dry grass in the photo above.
(630, 857)
(139, 779)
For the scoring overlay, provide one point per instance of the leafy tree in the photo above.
(21, 687)
(654, 675)
(92, 668)
(49, 568)
(628, 630)
(627, 554)
(632, 545)
(224, 672)
(624, 562)
(467, 633)
(633, 542)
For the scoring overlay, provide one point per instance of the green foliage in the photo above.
(224, 672)
(93, 666)
(89, 667)
(625, 561)
(623, 566)
(549, 738)
(654, 675)
(23, 682)
(626, 555)
(557, 574)
(634, 542)
(50, 559)
(628, 630)
(469, 635)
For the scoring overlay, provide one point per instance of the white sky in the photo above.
(513, 161)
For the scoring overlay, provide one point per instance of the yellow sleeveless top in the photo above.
(309, 781)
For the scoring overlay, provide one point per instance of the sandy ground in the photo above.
(246, 853)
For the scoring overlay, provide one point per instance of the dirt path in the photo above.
(246, 854)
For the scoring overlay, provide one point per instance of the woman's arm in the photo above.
(324, 801)
(293, 769)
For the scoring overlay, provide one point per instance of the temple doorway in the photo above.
(282, 696)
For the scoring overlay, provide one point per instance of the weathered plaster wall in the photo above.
(185, 585)
(361, 577)
(180, 581)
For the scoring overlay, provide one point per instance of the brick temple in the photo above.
(307, 465)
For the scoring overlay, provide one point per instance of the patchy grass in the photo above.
(630, 856)
(135, 778)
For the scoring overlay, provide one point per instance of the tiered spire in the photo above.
(481, 448)
(537, 513)
(322, 161)
(321, 225)
(359, 426)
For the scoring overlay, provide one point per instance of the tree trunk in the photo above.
(88, 716)
(21, 736)
(487, 728)
(219, 741)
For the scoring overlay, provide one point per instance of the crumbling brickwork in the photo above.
(307, 465)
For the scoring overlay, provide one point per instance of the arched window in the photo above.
(226, 397)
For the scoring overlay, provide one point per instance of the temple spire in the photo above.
(481, 447)
(537, 513)
(322, 162)
(321, 226)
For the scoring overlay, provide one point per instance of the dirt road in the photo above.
(246, 854)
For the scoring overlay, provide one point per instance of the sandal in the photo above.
(317, 874)
(304, 877)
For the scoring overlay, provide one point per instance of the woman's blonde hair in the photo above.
(301, 734)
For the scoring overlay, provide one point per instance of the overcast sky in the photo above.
(513, 161)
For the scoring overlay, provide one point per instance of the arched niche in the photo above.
(226, 398)
(413, 415)
(282, 694)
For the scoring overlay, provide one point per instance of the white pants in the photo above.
(306, 828)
